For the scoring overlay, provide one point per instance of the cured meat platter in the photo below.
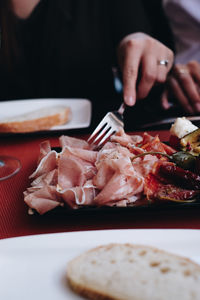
(129, 172)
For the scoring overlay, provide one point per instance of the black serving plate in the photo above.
(93, 210)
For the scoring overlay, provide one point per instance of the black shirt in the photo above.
(67, 49)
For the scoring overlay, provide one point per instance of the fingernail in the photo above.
(166, 105)
(129, 100)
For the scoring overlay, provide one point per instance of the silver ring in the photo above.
(163, 62)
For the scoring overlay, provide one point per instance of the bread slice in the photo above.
(133, 272)
(37, 120)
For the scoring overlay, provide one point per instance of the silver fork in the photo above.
(111, 123)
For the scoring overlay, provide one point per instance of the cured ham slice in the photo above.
(73, 142)
(111, 160)
(117, 162)
(47, 164)
(125, 140)
(43, 200)
(76, 196)
(72, 170)
(115, 149)
(87, 155)
(143, 165)
(45, 148)
(119, 187)
(70, 173)
(104, 174)
(50, 178)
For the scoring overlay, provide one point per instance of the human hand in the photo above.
(139, 52)
(183, 84)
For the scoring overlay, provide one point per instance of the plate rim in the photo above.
(95, 231)
(65, 127)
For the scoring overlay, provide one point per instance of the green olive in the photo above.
(184, 160)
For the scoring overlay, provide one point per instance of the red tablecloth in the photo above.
(15, 221)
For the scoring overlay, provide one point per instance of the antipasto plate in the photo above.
(128, 172)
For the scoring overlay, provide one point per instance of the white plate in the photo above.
(34, 267)
(81, 110)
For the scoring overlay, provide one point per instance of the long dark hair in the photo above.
(8, 50)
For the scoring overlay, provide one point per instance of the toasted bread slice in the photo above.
(133, 272)
(38, 120)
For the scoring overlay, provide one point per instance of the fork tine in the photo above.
(109, 133)
(102, 132)
(111, 123)
(98, 128)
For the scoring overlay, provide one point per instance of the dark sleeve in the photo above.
(127, 16)
(160, 28)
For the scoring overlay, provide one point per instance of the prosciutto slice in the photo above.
(73, 142)
(119, 187)
(70, 172)
(46, 164)
(43, 200)
(49, 178)
(45, 148)
(79, 195)
(126, 140)
(86, 155)
(73, 170)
